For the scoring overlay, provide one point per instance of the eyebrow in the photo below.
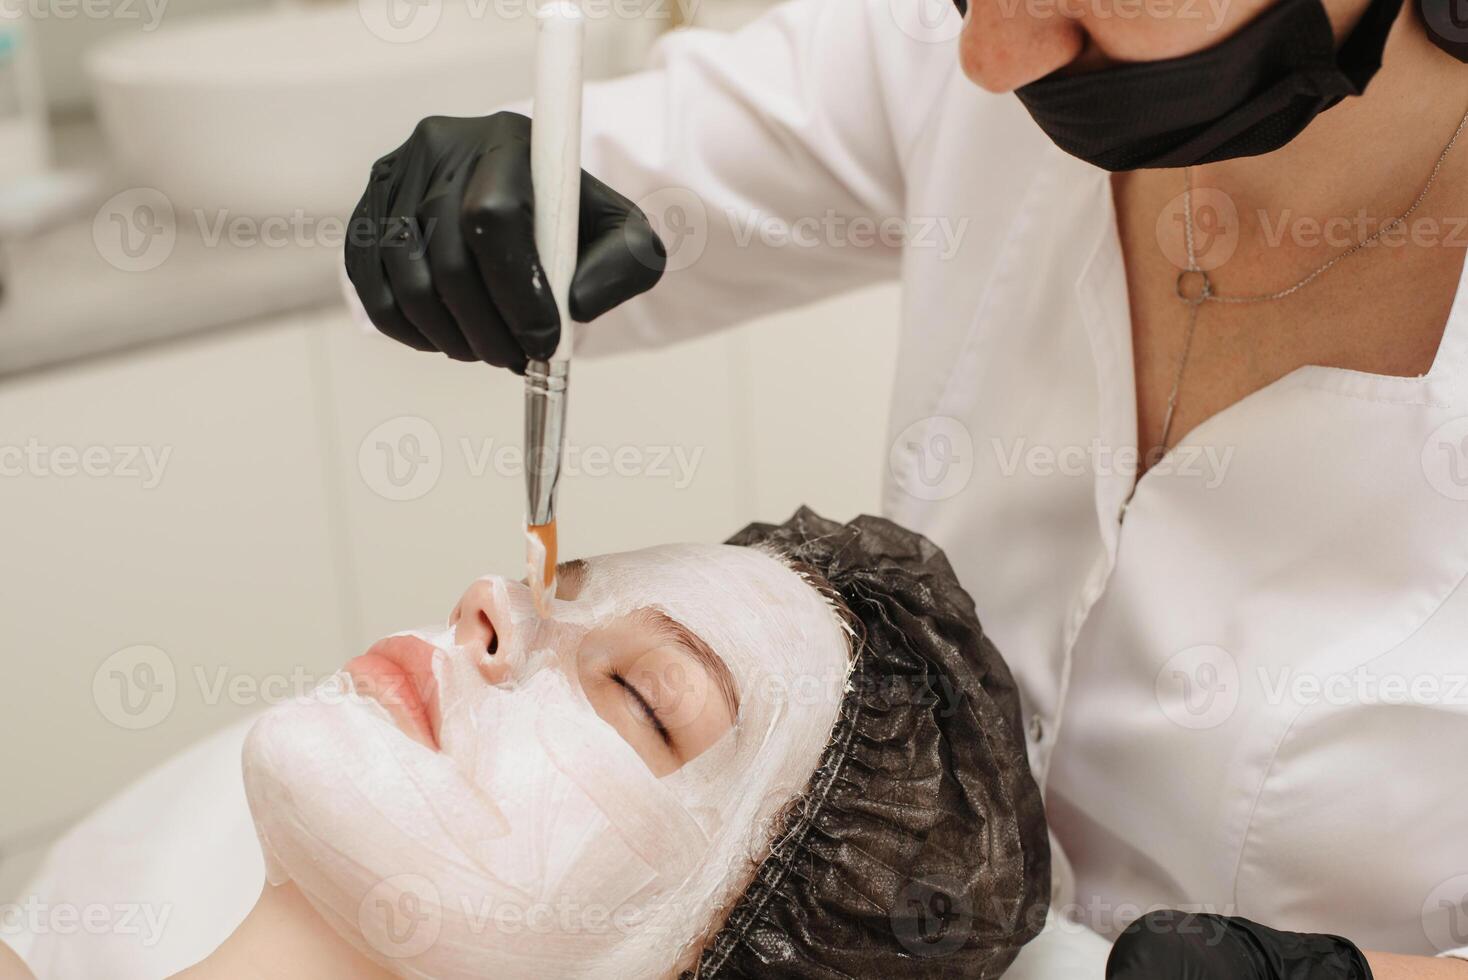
(569, 575)
(702, 653)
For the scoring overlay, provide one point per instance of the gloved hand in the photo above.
(441, 249)
(1193, 946)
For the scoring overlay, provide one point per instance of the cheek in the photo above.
(1155, 35)
(1124, 31)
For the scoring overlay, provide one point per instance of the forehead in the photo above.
(720, 578)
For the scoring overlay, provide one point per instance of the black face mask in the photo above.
(1251, 94)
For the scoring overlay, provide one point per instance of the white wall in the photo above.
(269, 552)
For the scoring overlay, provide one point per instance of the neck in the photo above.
(1372, 151)
(283, 938)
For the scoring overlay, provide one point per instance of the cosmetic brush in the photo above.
(555, 173)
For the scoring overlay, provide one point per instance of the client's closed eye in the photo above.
(644, 704)
(664, 691)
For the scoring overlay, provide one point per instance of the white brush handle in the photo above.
(555, 151)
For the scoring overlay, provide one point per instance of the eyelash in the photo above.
(652, 716)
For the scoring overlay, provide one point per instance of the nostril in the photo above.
(493, 643)
(483, 617)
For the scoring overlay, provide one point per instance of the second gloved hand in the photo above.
(1174, 945)
(441, 248)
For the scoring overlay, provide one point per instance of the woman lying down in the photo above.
(792, 755)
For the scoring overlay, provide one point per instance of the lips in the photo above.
(397, 673)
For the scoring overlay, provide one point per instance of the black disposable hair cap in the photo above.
(919, 848)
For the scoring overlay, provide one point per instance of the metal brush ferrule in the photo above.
(545, 436)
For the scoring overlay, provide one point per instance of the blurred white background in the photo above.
(216, 487)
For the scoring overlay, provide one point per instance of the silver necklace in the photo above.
(1195, 286)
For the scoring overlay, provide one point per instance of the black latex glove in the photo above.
(1187, 946)
(441, 248)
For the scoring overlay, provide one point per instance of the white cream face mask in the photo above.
(537, 843)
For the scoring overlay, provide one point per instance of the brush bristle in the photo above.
(546, 535)
(540, 570)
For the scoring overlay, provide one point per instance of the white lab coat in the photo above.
(1251, 694)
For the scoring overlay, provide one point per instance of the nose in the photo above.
(483, 623)
(1007, 45)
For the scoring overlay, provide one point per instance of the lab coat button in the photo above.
(1037, 728)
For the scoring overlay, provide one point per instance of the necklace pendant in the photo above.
(1194, 286)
